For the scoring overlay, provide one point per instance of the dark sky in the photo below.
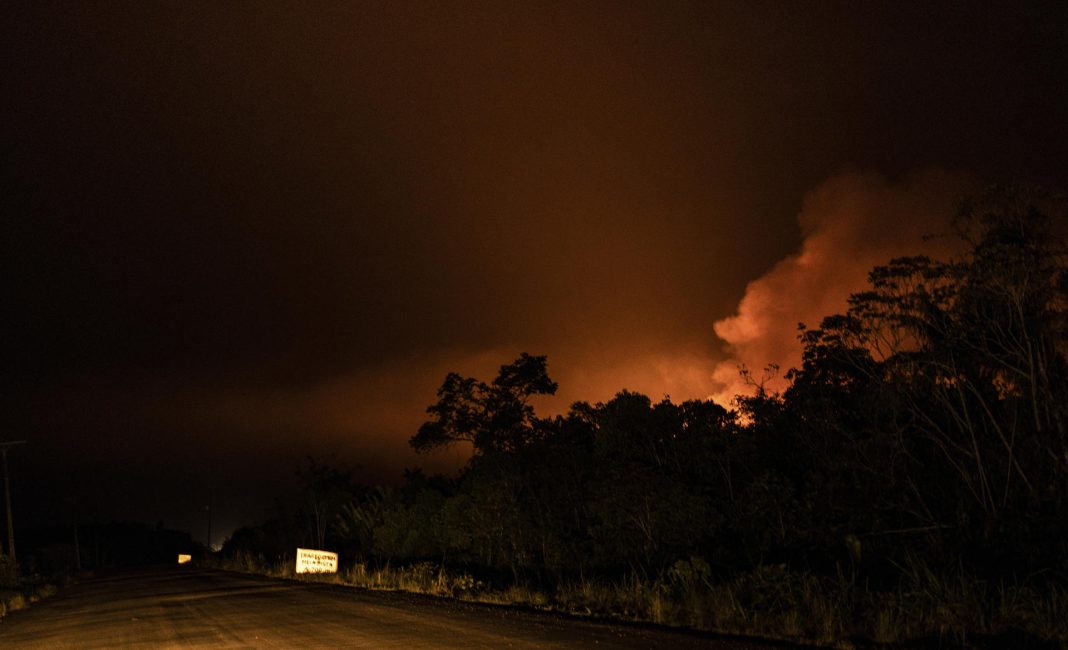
(239, 233)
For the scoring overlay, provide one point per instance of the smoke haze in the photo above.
(850, 224)
(236, 238)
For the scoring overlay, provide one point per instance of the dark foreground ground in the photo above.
(183, 607)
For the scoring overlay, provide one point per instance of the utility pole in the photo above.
(77, 550)
(209, 521)
(4, 446)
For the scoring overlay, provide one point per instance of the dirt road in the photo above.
(183, 607)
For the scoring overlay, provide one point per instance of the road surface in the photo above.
(185, 607)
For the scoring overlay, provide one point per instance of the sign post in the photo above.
(313, 561)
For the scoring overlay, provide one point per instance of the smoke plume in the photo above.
(849, 224)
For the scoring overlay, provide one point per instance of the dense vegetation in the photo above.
(912, 480)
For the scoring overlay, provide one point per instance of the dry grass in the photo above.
(17, 592)
(773, 602)
(11, 601)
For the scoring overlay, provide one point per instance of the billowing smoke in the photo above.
(241, 441)
(849, 224)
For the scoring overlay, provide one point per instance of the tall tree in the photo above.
(948, 378)
(328, 488)
(492, 417)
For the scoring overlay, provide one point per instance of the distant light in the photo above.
(184, 558)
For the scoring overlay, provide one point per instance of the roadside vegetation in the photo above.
(911, 483)
(17, 592)
(52, 557)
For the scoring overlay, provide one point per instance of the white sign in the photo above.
(312, 561)
(184, 558)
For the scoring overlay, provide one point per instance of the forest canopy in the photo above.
(926, 426)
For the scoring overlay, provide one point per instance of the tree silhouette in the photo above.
(492, 417)
(948, 378)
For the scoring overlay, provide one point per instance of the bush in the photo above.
(9, 573)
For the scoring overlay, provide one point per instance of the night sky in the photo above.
(235, 234)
